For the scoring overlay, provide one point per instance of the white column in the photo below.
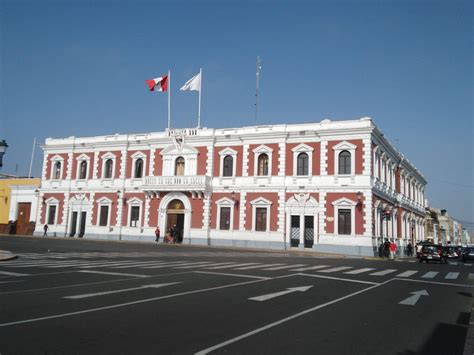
(281, 211)
(245, 160)
(95, 167)
(324, 161)
(368, 214)
(146, 218)
(210, 160)
(152, 161)
(322, 208)
(281, 160)
(367, 156)
(242, 212)
(207, 211)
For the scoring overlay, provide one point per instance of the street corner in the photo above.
(6, 255)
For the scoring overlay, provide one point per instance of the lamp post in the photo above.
(3, 149)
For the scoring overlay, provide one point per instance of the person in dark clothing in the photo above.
(45, 228)
(386, 249)
(409, 249)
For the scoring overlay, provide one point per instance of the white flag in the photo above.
(193, 84)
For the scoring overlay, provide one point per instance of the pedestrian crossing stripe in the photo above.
(407, 273)
(430, 274)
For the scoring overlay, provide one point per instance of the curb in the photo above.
(6, 255)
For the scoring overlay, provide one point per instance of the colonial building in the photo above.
(335, 186)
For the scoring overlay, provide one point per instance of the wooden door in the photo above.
(24, 209)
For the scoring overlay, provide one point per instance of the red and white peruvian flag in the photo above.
(158, 84)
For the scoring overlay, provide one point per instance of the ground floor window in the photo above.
(261, 219)
(52, 214)
(134, 216)
(344, 221)
(104, 216)
(225, 218)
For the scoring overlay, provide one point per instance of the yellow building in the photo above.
(16, 209)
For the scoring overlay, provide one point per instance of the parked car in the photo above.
(450, 252)
(431, 252)
(467, 254)
(419, 246)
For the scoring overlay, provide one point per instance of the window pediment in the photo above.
(172, 150)
(261, 201)
(83, 157)
(344, 146)
(104, 201)
(56, 158)
(138, 155)
(134, 201)
(225, 201)
(262, 149)
(343, 202)
(108, 155)
(302, 148)
(52, 200)
(228, 151)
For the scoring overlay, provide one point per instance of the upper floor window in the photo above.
(83, 170)
(138, 168)
(109, 164)
(262, 165)
(179, 166)
(228, 168)
(57, 171)
(302, 164)
(345, 162)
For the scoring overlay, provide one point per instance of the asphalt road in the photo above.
(87, 297)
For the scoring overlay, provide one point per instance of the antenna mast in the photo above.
(257, 74)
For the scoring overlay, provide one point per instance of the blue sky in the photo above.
(78, 68)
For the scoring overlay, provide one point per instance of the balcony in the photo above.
(176, 183)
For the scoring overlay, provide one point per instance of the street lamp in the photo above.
(3, 149)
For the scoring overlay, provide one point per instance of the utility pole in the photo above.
(257, 89)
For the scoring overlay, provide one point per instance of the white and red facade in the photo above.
(323, 186)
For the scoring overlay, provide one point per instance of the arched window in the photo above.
(228, 166)
(138, 168)
(83, 170)
(262, 165)
(179, 167)
(302, 164)
(344, 162)
(57, 170)
(109, 164)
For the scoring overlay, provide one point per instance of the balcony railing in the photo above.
(176, 183)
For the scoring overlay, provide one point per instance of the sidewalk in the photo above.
(6, 255)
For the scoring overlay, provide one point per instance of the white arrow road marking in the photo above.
(75, 297)
(411, 301)
(281, 293)
(111, 273)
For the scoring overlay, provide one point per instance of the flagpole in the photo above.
(199, 106)
(169, 99)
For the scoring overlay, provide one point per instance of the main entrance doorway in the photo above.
(175, 218)
(24, 209)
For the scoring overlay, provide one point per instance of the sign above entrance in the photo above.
(176, 183)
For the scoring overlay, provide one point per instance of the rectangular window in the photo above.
(52, 215)
(134, 216)
(344, 221)
(260, 219)
(104, 216)
(225, 219)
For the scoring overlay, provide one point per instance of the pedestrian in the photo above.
(45, 228)
(157, 234)
(174, 233)
(381, 247)
(386, 248)
(393, 249)
(409, 249)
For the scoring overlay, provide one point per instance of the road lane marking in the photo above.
(228, 266)
(87, 295)
(430, 274)
(257, 266)
(281, 293)
(407, 273)
(7, 273)
(283, 267)
(139, 264)
(413, 299)
(338, 279)
(311, 268)
(284, 320)
(111, 273)
(434, 282)
(195, 265)
(467, 264)
(335, 269)
(471, 276)
(383, 272)
(359, 271)
(230, 274)
(107, 264)
(170, 264)
(63, 315)
(452, 275)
